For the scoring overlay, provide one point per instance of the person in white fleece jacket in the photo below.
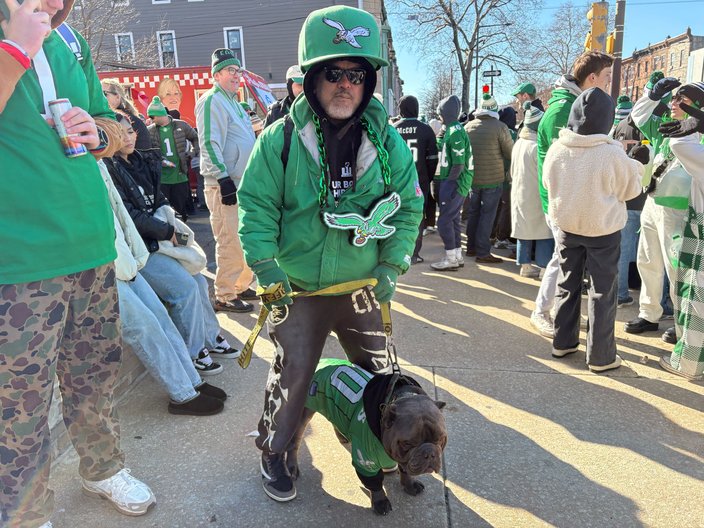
(589, 177)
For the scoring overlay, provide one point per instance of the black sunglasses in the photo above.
(354, 75)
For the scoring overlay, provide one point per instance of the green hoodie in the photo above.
(55, 217)
(554, 120)
(280, 215)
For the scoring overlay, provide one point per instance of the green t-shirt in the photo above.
(55, 217)
(336, 392)
(170, 175)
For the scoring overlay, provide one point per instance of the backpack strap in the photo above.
(69, 37)
(288, 132)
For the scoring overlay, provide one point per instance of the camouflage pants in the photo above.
(299, 332)
(69, 326)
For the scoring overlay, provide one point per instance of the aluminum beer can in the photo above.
(59, 107)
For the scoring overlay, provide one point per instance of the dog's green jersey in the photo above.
(336, 392)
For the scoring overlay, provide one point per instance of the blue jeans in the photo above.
(152, 336)
(186, 299)
(629, 249)
(483, 204)
(450, 202)
(544, 249)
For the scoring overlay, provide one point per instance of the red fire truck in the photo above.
(194, 81)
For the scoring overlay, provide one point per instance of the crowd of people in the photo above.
(325, 201)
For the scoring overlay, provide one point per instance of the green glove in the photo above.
(274, 288)
(386, 276)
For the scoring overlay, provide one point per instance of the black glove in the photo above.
(228, 191)
(663, 87)
(688, 126)
(640, 153)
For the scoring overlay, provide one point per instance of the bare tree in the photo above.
(100, 20)
(561, 42)
(441, 83)
(456, 29)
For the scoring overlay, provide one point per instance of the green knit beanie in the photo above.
(489, 103)
(222, 58)
(156, 108)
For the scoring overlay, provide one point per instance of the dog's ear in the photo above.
(440, 404)
(388, 414)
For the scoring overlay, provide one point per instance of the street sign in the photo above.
(491, 73)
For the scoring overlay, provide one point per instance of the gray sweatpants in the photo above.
(600, 255)
(298, 332)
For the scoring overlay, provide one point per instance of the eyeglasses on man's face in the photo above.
(354, 75)
(232, 70)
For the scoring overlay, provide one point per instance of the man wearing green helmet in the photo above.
(333, 162)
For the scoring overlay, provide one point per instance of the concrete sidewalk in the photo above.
(533, 441)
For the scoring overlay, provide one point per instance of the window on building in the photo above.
(234, 41)
(168, 55)
(681, 58)
(638, 70)
(672, 60)
(646, 66)
(124, 47)
(655, 63)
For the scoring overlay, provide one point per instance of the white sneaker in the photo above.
(501, 244)
(47, 525)
(527, 270)
(603, 368)
(449, 263)
(543, 324)
(127, 494)
(459, 257)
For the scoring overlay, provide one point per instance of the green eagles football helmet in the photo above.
(336, 32)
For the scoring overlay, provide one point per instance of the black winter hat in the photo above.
(592, 113)
(408, 106)
(695, 91)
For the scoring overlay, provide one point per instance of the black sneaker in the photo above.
(248, 295)
(201, 405)
(625, 302)
(670, 336)
(212, 391)
(416, 259)
(205, 365)
(276, 479)
(224, 350)
(640, 325)
(234, 305)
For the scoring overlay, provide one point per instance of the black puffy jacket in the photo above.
(137, 180)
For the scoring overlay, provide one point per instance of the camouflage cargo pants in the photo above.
(68, 325)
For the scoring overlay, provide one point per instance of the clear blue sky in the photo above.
(647, 21)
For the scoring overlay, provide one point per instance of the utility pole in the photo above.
(617, 48)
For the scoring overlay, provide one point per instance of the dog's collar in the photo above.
(401, 386)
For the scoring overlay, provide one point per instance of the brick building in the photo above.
(671, 56)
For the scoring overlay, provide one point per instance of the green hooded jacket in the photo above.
(280, 216)
(554, 120)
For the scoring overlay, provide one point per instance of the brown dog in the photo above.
(388, 419)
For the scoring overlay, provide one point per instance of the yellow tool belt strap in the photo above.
(335, 289)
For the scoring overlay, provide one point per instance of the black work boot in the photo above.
(276, 479)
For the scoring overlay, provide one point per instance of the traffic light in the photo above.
(598, 17)
(610, 40)
(485, 89)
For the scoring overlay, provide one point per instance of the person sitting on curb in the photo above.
(185, 293)
(589, 177)
(146, 326)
